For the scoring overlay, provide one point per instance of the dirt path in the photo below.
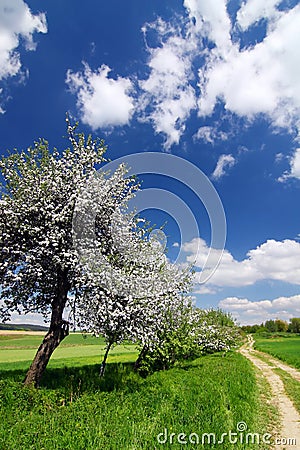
(290, 418)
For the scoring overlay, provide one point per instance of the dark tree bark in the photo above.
(140, 358)
(58, 330)
(103, 364)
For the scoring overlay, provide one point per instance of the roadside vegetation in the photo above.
(291, 386)
(74, 408)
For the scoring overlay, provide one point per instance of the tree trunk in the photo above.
(103, 364)
(142, 354)
(58, 330)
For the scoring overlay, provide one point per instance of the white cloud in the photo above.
(224, 161)
(211, 20)
(279, 157)
(167, 97)
(203, 289)
(210, 134)
(294, 167)
(30, 319)
(242, 79)
(272, 260)
(185, 74)
(2, 111)
(254, 10)
(250, 312)
(17, 24)
(102, 101)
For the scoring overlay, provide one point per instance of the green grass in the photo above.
(291, 386)
(12, 341)
(75, 409)
(286, 348)
(17, 351)
(268, 415)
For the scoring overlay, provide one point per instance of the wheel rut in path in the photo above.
(290, 418)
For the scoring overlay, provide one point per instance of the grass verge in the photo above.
(74, 409)
(291, 386)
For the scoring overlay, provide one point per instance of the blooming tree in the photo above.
(127, 289)
(170, 338)
(214, 330)
(187, 332)
(40, 269)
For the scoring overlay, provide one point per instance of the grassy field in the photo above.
(75, 409)
(285, 347)
(16, 352)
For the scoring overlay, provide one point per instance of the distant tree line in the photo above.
(275, 326)
(22, 327)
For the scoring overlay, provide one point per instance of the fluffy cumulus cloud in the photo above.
(17, 25)
(272, 260)
(294, 171)
(251, 312)
(224, 162)
(239, 76)
(210, 20)
(200, 59)
(103, 101)
(242, 79)
(167, 97)
(254, 10)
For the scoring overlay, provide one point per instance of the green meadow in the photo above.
(76, 349)
(285, 347)
(76, 409)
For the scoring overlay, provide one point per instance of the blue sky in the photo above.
(215, 83)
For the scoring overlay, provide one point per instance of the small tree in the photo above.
(171, 338)
(214, 330)
(274, 326)
(281, 325)
(187, 332)
(39, 267)
(294, 326)
(271, 326)
(127, 289)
